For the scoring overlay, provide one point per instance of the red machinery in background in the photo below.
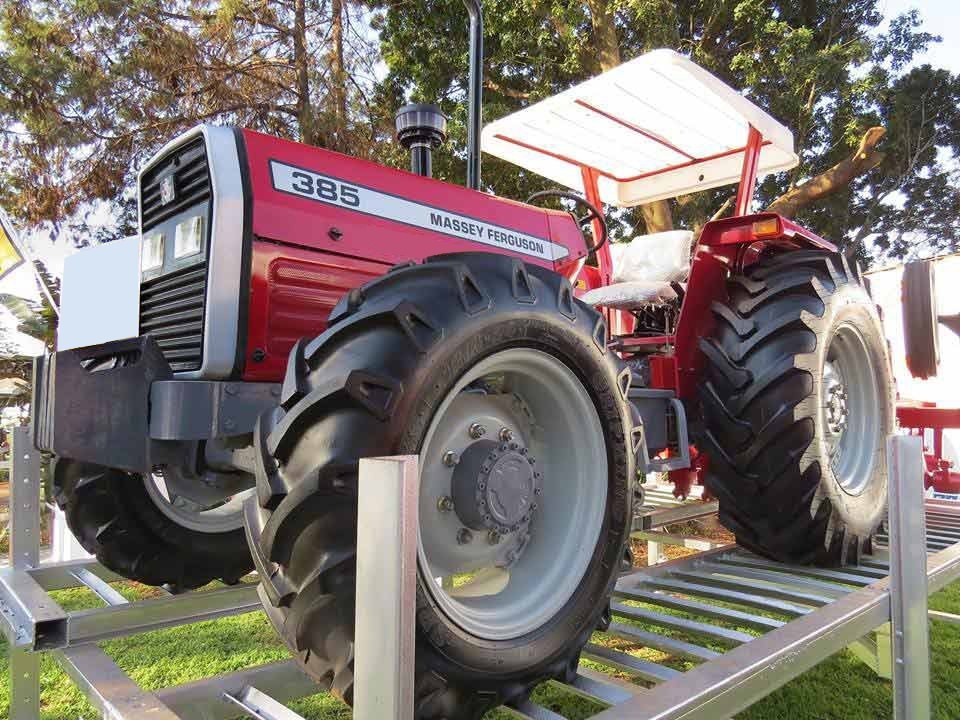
(921, 322)
(920, 417)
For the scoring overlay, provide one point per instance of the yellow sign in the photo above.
(10, 257)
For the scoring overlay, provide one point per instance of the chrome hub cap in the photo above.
(835, 400)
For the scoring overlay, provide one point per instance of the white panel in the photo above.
(100, 294)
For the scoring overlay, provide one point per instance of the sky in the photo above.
(941, 17)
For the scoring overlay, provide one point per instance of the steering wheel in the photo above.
(593, 213)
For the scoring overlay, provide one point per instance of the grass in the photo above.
(840, 687)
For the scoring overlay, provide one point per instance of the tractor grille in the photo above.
(171, 311)
(191, 184)
(172, 301)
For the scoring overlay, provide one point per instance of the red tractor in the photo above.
(300, 309)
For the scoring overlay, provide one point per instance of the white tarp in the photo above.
(100, 294)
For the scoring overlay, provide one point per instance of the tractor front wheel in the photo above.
(149, 529)
(502, 383)
(797, 404)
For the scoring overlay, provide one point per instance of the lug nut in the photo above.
(464, 536)
(450, 458)
(493, 537)
(477, 431)
(506, 434)
(444, 503)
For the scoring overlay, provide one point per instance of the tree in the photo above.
(91, 88)
(877, 145)
(34, 319)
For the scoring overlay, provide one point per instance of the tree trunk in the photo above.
(839, 176)
(605, 42)
(338, 78)
(306, 116)
(657, 215)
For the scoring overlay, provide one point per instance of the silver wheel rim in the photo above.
(850, 403)
(202, 514)
(503, 587)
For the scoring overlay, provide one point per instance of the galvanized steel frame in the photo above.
(830, 609)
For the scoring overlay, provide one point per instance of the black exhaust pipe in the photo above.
(475, 109)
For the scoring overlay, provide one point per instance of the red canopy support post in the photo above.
(592, 193)
(748, 173)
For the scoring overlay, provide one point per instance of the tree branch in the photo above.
(840, 175)
(492, 84)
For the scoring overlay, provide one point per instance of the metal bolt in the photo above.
(450, 458)
(493, 537)
(477, 431)
(506, 434)
(464, 536)
(444, 503)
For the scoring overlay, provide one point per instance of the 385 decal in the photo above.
(324, 188)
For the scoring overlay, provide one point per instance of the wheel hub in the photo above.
(495, 486)
(835, 400)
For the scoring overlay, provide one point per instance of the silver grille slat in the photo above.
(171, 311)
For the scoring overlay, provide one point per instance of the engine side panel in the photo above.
(292, 291)
(318, 199)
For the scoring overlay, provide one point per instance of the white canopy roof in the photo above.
(655, 127)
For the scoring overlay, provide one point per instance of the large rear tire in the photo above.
(478, 364)
(797, 404)
(120, 518)
(920, 322)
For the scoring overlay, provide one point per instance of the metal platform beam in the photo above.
(794, 616)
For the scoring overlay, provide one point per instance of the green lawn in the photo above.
(839, 688)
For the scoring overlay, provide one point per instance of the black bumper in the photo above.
(93, 404)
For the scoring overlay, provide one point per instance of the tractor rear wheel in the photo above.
(797, 404)
(139, 528)
(501, 381)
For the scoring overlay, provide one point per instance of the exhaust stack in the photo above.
(420, 129)
(475, 109)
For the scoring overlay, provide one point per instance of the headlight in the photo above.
(188, 239)
(151, 252)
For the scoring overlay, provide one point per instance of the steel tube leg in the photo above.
(386, 588)
(653, 552)
(908, 580)
(24, 553)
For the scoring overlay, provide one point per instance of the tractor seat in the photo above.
(643, 269)
(632, 295)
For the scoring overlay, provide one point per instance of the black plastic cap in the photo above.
(419, 123)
